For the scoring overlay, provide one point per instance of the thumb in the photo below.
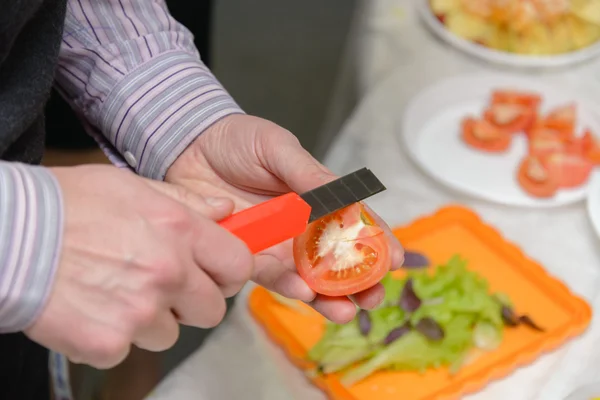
(295, 166)
(215, 208)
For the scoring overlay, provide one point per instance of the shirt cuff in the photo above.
(158, 109)
(31, 222)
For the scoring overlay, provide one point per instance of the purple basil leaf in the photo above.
(364, 322)
(509, 317)
(413, 259)
(526, 320)
(409, 301)
(397, 333)
(430, 329)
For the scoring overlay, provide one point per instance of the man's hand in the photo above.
(137, 257)
(248, 159)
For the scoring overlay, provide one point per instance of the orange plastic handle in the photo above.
(270, 223)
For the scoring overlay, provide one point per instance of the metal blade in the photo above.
(342, 192)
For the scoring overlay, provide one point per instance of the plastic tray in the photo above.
(452, 230)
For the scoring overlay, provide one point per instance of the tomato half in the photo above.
(483, 135)
(511, 118)
(536, 179)
(343, 253)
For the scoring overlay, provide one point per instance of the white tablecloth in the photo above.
(401, 57)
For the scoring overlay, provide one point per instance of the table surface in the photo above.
(399, 58)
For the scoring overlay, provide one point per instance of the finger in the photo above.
(273, 275)
(340, 310)
(284, 156)
(201, 303)
(371, 298)
(215, 208)
(160, 335)
(224, 257)
(396, 250)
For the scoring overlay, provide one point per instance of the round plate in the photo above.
(593, 203)
(588, 392)
(431, 136)
(502, 57)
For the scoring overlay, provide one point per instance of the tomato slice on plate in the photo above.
(590, 147)
(343, 253)
(571, 170)
(543, 142)
(511, 118)
(562, 119)
(527, 99)
(485, 136)
(536, 179)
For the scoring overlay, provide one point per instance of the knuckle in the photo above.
(242, 263)
(106, 351)
(178, 220)
(167, 273)
(215, 313)
(145, 313)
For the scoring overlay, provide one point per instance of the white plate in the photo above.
(431, 136)
(502, 57)
(587, 392)
(593, 202)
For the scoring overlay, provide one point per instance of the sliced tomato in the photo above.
(511, 118)
(574, 145)
(441, 18)
(590, 147)
(543, 142)
(528, 99)
(343, 253)
(570, 170)
(562, 120)
(536, 179)
(483, 135)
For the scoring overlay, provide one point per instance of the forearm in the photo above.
(31, 219)
(134, 73)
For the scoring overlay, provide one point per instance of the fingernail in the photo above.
(397, 259)
(216, 202)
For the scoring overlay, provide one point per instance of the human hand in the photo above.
(138, 256)
(249, 159)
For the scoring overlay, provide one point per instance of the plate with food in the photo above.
(505, 139)
(467, 308)
(518, 33)
(593, 202)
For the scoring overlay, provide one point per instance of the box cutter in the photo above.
(287, 216)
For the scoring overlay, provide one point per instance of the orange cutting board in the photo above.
(450, 231)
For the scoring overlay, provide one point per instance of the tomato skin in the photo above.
(322, 274)
(526, 99)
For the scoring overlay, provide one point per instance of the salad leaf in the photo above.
(444, 317)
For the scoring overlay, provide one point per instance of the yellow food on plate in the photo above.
(527, 27)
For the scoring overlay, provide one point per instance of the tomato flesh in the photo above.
(342, 253)
(511, 118)
(562, 120)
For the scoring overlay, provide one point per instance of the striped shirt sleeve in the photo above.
(30, 234)
(133, 72)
